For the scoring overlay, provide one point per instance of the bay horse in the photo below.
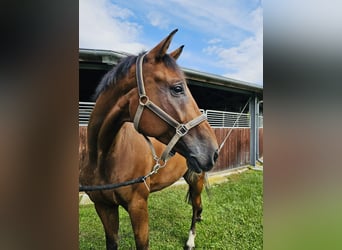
(149, 90)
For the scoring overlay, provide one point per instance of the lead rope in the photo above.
(231, 129)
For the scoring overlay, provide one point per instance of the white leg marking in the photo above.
(191, 240)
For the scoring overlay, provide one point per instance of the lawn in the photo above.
(232, 218)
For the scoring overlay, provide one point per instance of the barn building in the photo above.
(222, 99)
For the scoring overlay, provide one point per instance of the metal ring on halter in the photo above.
(161, 163)
(143, 100)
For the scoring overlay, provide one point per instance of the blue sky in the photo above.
(223, 37)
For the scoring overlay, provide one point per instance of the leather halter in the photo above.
(180, 128)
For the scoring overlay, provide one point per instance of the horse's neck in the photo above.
(110, 112)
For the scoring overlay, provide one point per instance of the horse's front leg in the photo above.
(196, 216)
(138, 213)
(109, 216)
(195, 189)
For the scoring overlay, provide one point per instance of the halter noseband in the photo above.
(144, 101)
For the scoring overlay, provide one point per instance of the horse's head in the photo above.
(164, 85)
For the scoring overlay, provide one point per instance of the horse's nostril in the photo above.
(216, 154)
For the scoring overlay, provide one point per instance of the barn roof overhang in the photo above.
(105, 59)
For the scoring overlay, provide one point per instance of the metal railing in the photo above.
(216, 119)
(224, 119)
(84, 111)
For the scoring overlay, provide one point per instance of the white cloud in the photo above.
(214, 41)
(232, 30)
(214, 17)
(244, 61)
(103, 25)
(227, 22)
(158, 20)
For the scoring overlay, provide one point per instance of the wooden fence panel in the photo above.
(235, 152)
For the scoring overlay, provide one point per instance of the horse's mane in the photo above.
(115, 74)
(121, 70)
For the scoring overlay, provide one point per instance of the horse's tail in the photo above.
(188, 197)
(191, 177)
(207, 184)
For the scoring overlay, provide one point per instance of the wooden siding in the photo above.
(235, 152)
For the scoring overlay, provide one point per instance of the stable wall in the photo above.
(235, 152)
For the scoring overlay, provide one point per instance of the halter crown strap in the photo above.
(141, 90)
(139, 74)
(144, 101)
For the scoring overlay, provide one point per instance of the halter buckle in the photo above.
(182, 130)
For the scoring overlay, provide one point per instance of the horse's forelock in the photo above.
(170, 62)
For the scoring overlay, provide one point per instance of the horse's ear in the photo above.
(176, 53)
(160, 50)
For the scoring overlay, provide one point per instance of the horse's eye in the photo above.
(177, 89)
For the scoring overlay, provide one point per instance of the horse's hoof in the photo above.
(190, 244)
(189, 248)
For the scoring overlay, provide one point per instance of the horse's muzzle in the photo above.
(215, 156)
(199, 163)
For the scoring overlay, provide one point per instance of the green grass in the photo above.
(232, 218)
